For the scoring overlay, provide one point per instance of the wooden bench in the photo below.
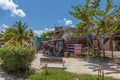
(46, 60)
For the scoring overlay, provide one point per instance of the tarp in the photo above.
(89, 37)
(38, 39)
(107, 45)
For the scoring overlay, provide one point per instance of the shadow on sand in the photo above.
(110, 66)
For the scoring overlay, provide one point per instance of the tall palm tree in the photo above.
(30, 34)
(17, 34)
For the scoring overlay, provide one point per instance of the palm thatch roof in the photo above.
(117, 32)
(116, 35)
(66, 33)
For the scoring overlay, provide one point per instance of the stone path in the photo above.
(77, 65)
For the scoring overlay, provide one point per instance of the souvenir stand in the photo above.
(74, 49)
(57, 47)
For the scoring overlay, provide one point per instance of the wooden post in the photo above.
(102, 75)
(111, 47)
(88, 48)
(98, 68)
(46, 70)
(98, 74)
(112, 54)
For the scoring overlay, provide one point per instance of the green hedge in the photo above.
(16, 58)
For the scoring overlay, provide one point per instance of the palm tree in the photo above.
(30, 34)
(17, 34)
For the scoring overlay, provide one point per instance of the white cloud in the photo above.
(66, 21)
(39, 32)
(47, 29)
(4, 26)
(73, 26)
(10, 5)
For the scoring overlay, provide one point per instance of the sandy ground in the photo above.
(89, 66)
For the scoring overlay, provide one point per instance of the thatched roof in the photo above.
(116, 35)
(67, 35)
(117, 32)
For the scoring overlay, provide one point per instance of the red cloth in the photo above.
(77, 48)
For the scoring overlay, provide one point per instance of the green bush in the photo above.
(16, 58)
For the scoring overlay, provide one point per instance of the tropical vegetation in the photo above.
(18, 34)
(17, 53)
(94, 20)
(1, 36)
(16, 58)
(47, 34)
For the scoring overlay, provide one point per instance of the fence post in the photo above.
(100, 73)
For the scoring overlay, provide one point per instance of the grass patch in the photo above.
(63, 75)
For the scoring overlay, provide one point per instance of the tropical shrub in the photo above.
(16, 58)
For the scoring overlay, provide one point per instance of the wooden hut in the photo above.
(63, 36)
(116, 38)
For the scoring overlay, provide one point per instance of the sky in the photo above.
(40, 15)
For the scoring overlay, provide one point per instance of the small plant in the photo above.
(16, 58)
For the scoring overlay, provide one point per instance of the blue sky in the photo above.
(40, 15)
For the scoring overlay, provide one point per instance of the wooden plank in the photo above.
(45, 61)
(51, 60)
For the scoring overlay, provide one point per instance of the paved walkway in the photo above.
(77, 65)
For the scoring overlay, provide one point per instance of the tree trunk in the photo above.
(91, 48)
(103, 52)
(111, 47)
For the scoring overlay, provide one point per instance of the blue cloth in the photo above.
(89, 37)
(38, 39)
